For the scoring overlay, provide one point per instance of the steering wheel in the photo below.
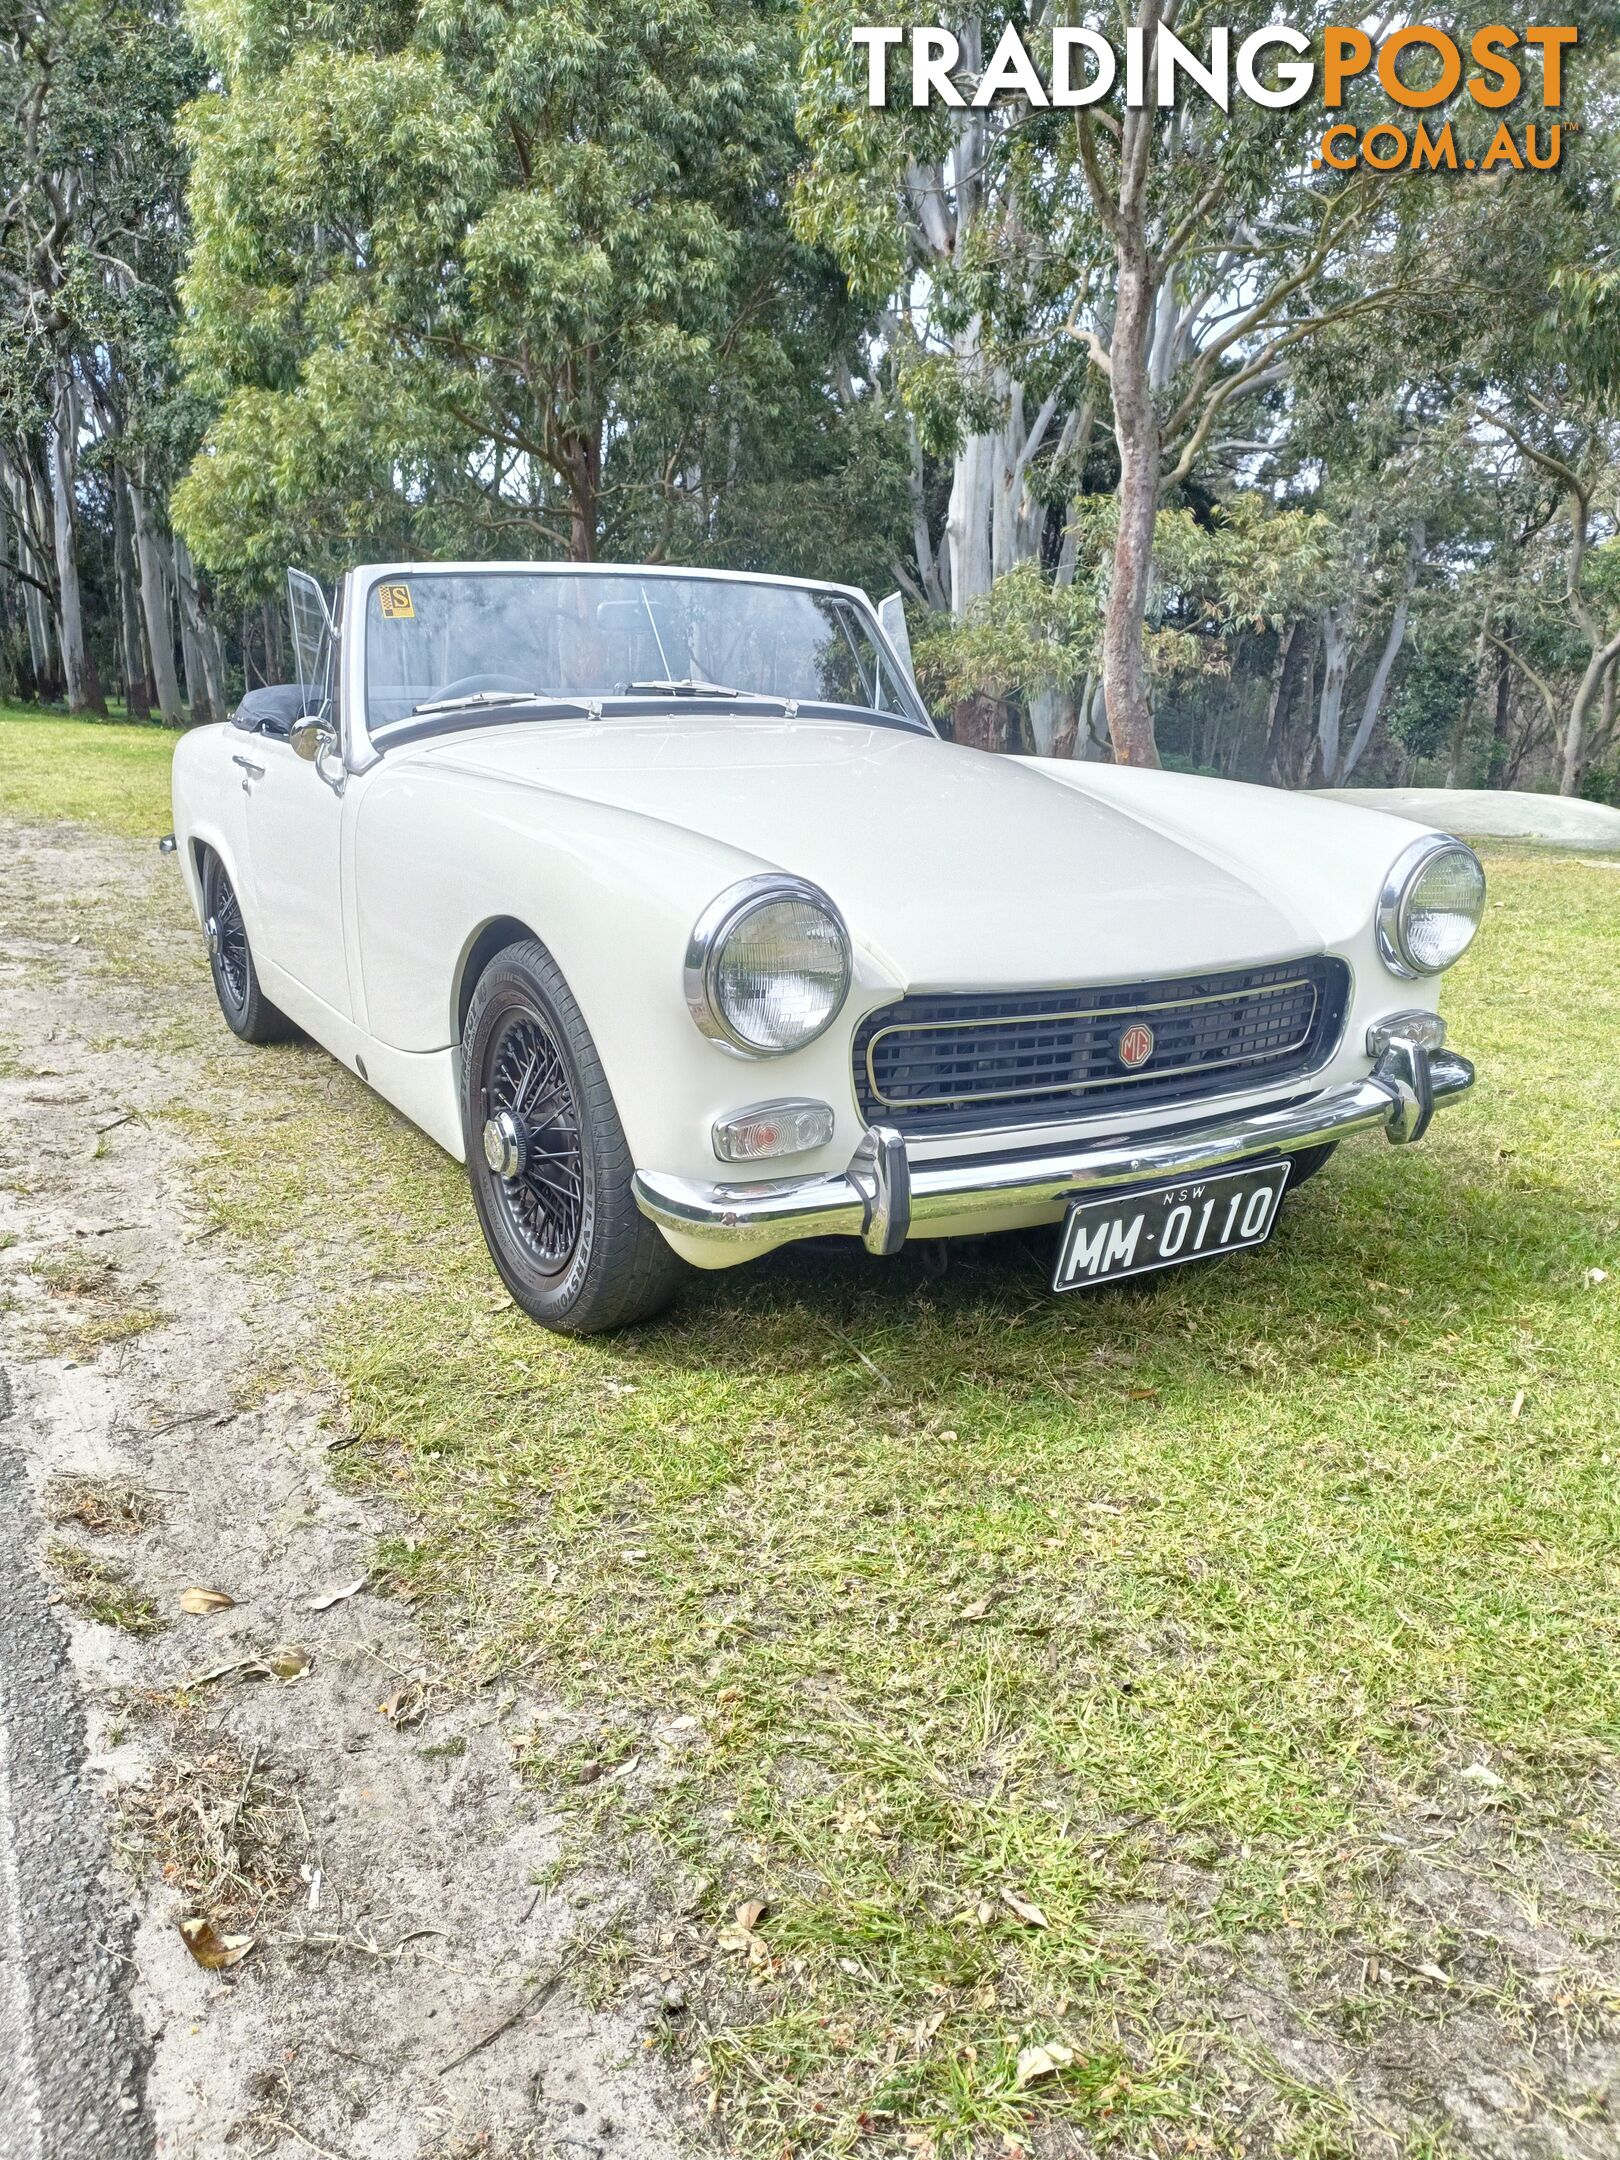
(470, 685)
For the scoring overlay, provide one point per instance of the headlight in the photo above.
(1431, 906)
(767, 968)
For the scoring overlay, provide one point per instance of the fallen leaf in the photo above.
(407, 1706)
(212, 1950)
(1027, 1911)
(1433, 1972)
(226, 1672)
(1042, 2062)
(287, 1662)
(1596, 1275)
(206, 1601)
(978, 1610)
(984, 1912)
(1478, 1773)
(751, 1913)
(336, 1597)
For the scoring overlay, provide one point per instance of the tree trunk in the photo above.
(967, 523)
(274, 660)
(1136, 430)
(1580, 714)
(199, 646)
(155, 607)
(1336, 667)
(199, 704)
(137, 688)
(83, 694)
(1373, 704)
(1284, 676)
(932, 584)
(584, 464)
(10, 607)
(1054, 719)
(985, 722)
(34, 554)
(1606, 728)
(1096, 747)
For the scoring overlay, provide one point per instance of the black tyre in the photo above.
(1307, 1161)
(547, 1156)
(248, 1012)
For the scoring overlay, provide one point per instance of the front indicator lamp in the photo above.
(773, 1128)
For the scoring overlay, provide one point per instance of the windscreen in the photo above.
(443, 635)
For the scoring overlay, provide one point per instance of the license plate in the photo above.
(1194, 1219)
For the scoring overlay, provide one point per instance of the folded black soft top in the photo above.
(270, 710)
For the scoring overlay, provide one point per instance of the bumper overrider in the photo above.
(884, 1197)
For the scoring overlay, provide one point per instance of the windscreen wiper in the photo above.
(668, 686)
(484, 697)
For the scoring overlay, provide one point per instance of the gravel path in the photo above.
(387, 1869)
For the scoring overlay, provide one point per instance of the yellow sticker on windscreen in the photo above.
(395, 602)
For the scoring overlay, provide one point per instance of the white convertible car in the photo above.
(654, 897)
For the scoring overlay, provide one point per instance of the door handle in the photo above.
(250, 771)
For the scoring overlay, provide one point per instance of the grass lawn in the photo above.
(1118, 1704)
(102, 772)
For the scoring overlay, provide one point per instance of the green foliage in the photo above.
(475, 280)
(1244, 566)
(1024, 635)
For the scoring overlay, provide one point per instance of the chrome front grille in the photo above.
(941, 1063)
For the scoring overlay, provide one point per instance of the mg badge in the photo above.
(1136, 1046)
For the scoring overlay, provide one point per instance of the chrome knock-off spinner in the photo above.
(506, 1145)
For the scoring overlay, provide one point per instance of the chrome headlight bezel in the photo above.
(1395, 903)
(706, 947)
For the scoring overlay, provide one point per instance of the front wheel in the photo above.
(547, 1157)
(1308, 1161)
(248, 1012)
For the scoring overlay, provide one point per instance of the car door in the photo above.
(295, 826)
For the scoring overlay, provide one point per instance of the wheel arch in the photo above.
(496, 936)
(199, 847)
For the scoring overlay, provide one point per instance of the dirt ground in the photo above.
(418, 1985)
(359, 1823)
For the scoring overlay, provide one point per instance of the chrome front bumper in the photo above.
(883, 1196)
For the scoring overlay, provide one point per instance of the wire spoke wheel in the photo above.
(551, 1170)
(231, 946)
(529, 1090)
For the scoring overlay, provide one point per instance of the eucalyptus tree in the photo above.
(1185, 245)
(504, 279)
(89, 252)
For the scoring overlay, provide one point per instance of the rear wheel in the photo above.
(547, 1157)
(248, 1012)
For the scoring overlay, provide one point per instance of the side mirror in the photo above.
(315, 741)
